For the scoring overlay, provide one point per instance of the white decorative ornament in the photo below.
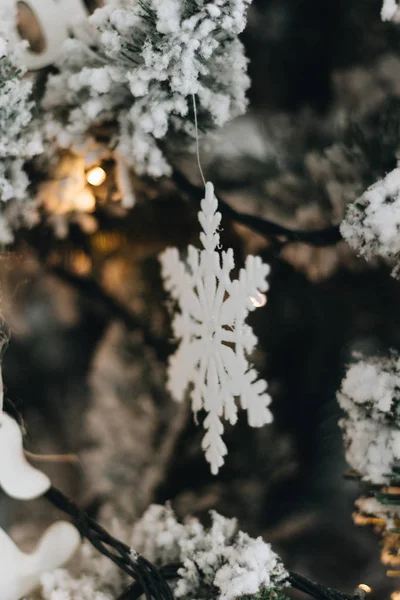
(56, 19)
(17, 477)
(214, 336)
(20, 573)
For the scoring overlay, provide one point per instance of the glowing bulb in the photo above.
(259, 300)
(81, 263)
(395, 596)
(365, 588)
(96, 176)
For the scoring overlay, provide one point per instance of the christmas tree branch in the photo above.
(323, 237)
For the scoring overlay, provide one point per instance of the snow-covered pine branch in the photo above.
(389, 10)
(130, 77)
(19, 142)
(370, 397)
(220, 563)
(372, 223)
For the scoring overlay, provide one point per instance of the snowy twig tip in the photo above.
(388, 10)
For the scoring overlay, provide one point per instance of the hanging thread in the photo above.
(197, 139)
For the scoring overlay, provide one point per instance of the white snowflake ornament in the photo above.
(215, 340)
(21, 573)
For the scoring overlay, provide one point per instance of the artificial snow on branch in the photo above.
(389, 10)
(95, 578)
(131, 77)
(370, 397)
(218, 563)
(372, 223)
(19, 142)
(214, 338)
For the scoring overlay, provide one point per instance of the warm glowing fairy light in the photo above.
(81, 263)
(259, 300)
(365, 588)
(96, 176)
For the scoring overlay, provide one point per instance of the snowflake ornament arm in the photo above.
(214, 338)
